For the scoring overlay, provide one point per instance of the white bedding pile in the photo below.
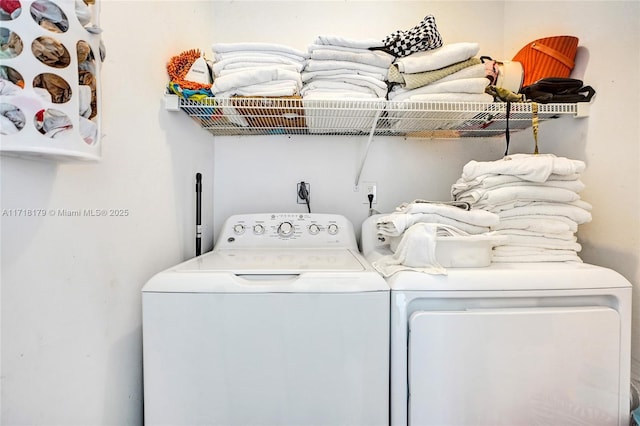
(536, 197)
(344, 68)
(257, 69)
(412, 230)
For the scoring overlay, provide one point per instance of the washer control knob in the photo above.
(285, 229)
(332, 229)
(238, 229)
(314, 229)
(258, 229)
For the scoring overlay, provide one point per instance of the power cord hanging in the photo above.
(303, 194)
(372, 211)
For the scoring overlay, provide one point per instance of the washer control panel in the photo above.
(286, 230)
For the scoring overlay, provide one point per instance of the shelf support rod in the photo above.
(366, 149)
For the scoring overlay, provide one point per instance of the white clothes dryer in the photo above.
(283, 323)
(508, 344)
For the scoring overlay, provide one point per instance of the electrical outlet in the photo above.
(366, 188)
(298, 187)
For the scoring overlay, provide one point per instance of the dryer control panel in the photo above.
(278, 230)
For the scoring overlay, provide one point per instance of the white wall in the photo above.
(609, 142)
(71, 337)
(71, 328)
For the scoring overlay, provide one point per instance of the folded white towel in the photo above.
(541, 242)
(346, 81)
(348, 42)
(308, 75)
(478, 186)
(467, 85)
(564, 236)
(577, 214)
(252, 76)
(238, 67)
(255, 61)
(531, 167)
(332, 86)
(450, 97)
(537, 223)
(353, 67)
(444, 56)
(442, 231)
(396, 223)
(545, 256)
(504, 194)
(416, 252)
(257, 47)
(449, 209)
(375, 58)
(328, 116)
(277, 88)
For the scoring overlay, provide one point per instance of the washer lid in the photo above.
(274, 261)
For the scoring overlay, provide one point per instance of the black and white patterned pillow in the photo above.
(422, 37)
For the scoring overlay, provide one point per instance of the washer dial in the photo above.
(285, 229)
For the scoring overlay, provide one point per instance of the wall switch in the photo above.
(366, 188)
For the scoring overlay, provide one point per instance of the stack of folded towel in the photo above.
(257, 69)
(537, 200)
(413, 227)
(450, 73)
(344, 68)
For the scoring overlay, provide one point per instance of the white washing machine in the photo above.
(509, 344)
(283, 323)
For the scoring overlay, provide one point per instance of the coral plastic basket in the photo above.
(547, 57)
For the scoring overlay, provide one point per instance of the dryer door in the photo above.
(527, 366)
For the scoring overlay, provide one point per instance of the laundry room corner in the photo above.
(71, 278)
(79, 240)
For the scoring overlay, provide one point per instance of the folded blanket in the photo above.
(347, 42)
(416, 252)
(414, 80)
(430, 60)
(252, 76)
(375, 58)
(257, 47)
(531, 167)
(452, 210)
(467, 85)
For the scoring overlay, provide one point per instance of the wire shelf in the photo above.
(298, 116)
